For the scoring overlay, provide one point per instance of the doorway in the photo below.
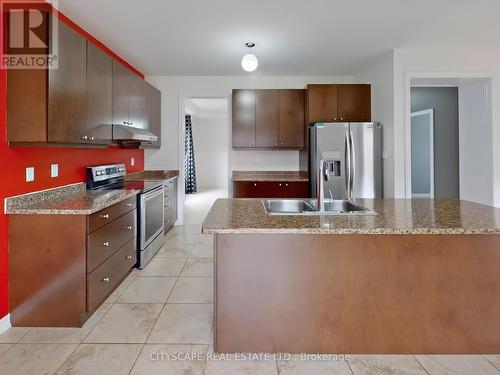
(206, 155)
(460, 112)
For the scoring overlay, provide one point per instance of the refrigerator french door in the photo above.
(355, 151)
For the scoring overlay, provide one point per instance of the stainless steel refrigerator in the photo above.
(354, 154)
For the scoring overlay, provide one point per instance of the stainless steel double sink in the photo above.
(309, 207)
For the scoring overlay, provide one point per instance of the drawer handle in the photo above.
(255, 184)
(286, 184)
(104, 216)
(128, 227)
(279, 184)
(127, 204)
(105, 244)
(105, 280)
(128, 257)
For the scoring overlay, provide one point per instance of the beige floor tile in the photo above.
(206, 239)
(108, 359)
(5, 347)
(385, 364)
(183, 324)
(122, 287)
(164, 267)
(125, 324)
(160, 360)
(14, 335)
(494, 360)
(148, 290)
(306, 367)
(456, 364)
(185, 229)
(175, 251)
(34, 359)
(240, 367)
(182, 239)
(198, 267)
(202, 251)
(193, 290)
(57, 335)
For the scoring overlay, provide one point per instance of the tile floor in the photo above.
(165, 310)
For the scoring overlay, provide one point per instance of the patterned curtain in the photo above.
(189, 167)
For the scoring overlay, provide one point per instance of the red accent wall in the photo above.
(72, 163)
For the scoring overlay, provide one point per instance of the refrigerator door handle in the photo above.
(352, 165)
(347, 163)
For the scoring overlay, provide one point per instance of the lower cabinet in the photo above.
(63, 267)
(170, 203)
(271, 189)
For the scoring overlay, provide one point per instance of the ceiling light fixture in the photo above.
(249, 62)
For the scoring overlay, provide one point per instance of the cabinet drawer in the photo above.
(105, 241)
(105, 278)
(271, 189)
(107, 215)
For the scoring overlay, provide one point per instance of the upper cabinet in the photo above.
(77, 103)
(338, 103)
(268, 119)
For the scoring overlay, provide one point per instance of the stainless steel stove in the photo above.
(149, 202)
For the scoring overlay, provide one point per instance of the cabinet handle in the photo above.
(279, 184)
(105, 244)
(335, 119)
(286, 184)
(276, 143)
(127, 205)
(281, 144)
(85, 138)
(104, 216)
(128, 257)
(128, 227)
(341, 119)
(254, 184)
(105, 280)
(125, 123)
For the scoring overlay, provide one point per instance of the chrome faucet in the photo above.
(322, 176)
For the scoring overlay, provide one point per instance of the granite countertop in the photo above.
(67, 200)
(152, 175)
(288, 176)
(394, 216)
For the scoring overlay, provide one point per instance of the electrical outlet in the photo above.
(132, 162)
(54, 170)
(30, 174)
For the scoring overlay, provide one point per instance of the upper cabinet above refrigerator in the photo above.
(338, 103)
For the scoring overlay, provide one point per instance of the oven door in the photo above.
(151, 218)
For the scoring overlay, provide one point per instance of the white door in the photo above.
(422, 154)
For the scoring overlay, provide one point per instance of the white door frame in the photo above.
(409, 76)
(430, 113)
(182, 133)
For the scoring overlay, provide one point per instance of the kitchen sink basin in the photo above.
(309, 207)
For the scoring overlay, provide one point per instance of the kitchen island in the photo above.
(422, 276)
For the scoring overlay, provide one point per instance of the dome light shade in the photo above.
(249, 62)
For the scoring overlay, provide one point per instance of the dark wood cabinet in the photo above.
(243, 114)
(291, 118)
(268, 119)
(78, 261)
(338, 103)
(77, 103)
(271, 189)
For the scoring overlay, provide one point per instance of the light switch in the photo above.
(132, 162)
(30, 174)
(54, 170)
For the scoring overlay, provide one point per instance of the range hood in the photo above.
(124, 133)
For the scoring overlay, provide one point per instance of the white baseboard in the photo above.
(5, 323)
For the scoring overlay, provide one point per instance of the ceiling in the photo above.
(293, 37)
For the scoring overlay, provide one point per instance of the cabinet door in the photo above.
(67, 106)
(243, 107)
(138, 102)
(322, 103)
(154, 116)
(99, 96)
(354, 103)
(121, 91)
(291, 118)
(296, 189)
(266, 118)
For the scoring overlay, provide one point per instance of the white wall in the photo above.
(443, 62)
(380, 73)
(210, 137)
(176, 89)
(476, 145)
